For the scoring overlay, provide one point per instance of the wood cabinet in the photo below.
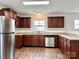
(56, 38)
(70, 48)
(33, 40)
(55, 22)
(61, 44)
(23, 22)
(60, 22)
(17, 22)
(28, 40)
(18, 41)
(13, 14)
(41, 40)
(20, 22)
(7, 12)
(28, 22)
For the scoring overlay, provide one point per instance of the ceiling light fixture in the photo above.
(35, 2)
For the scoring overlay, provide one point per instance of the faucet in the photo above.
(38, 32)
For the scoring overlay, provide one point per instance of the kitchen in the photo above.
(44, 31)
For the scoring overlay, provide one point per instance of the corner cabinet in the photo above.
(23, 22)
(69, 48)
(56, 22)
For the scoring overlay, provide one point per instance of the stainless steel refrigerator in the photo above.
(7, 38)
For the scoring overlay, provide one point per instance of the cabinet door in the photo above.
(11, 14)
(20, 22)
(28, 22)
(23, 22)
(65, 46)
(17, 22)
(28, 40)
(68, 51)
(74, 57)
(60, 22)
(5, 12)
(14, 15)
(56, 41)
(41, 39)
(33, 40)
(49, 22)
(18, 41)
(38, 40)
(60, 38)
(74, 46)
(55, 22)
(1, 12)
(52, 22)
(8, 13)
(61, 43)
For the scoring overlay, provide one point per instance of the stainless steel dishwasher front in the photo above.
(49, 41)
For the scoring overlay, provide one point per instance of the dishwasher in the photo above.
(49, 41)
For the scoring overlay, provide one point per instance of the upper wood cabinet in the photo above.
(7, 12)
(28, 22)
(13, 14)
(23, 22)
(17, 22)
(55, 22)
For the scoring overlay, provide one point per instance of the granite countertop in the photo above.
(70, 36)
(63, 34)
(37, 33)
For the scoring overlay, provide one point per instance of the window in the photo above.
(39, 25)
(76, 24)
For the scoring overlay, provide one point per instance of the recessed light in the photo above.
(35, 2)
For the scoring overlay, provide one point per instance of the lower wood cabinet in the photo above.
(56, 38)
(28, 40)
(61, 44)
(33, 40)
(41, 40)
(18, 41)
(70, 48)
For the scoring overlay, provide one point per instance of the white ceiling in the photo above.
(59, 6)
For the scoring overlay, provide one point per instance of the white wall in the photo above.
(68, 23)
